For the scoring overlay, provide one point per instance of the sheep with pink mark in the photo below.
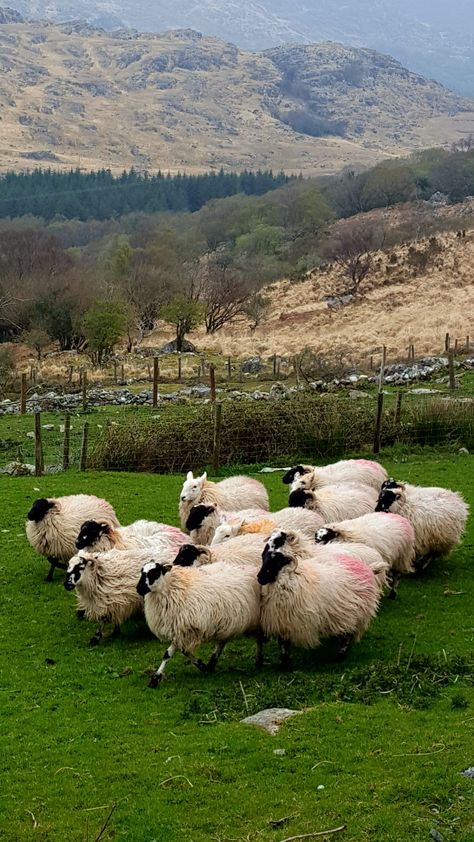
(304, 520)
(305, 599)
(391, 535)
(232, 494)
(358, 471)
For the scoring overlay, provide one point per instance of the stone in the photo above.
(30, 435)
(251, 366)
(279, 752)
(463, 451)
(436, 835)
(357, 393)
(468, 773)
(171, 347)
(18, 469)
(48, 426)
(270, 719)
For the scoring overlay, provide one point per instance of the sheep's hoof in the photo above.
(94, 641)
(155, 681)
(210, 667)
(392, 594)
(80, 614)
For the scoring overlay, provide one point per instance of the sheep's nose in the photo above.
(183, 498)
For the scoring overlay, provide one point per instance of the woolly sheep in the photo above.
(437, 515)
(305, 520)
(230, 494)
(358, 471)
(245, 549)
(303, 600)
(337, 502)
(54, 524)
(106, 585)
(203, 521)
(195, 605)
(99, 537)
(392, 535)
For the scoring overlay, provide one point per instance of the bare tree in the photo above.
(350, 246)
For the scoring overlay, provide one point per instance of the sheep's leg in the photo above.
(116, 632)
(54, 563)
(346, 641)
(159, 675)
(80, 613)
(97, 637)
(259, 654)
(212, 663)
(196, 662)
(424, 561)
(285, 653)
(394, 583)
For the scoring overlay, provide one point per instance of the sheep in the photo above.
(359, 471)
(438, 517)
(203, 521)
(106, 585)
(392, 535)
(230, 494)
(54, 524)
(336, 502)
(245, 549)
(305, 520)
(100, 537)
(195, 605)
(304, 600)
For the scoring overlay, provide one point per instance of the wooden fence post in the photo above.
(155, 382)
(180, 368)
(34, 376)
(382, 368)
(371, 362)
(274, 365)
(468, 344)
(39, 462)
(148, 368)
(296, 368)
(85, 442)
(378, 423)
(115, 370)
(456, 344)
(70, 373)
(122, 374)
(212, 377)
(203, 367)
(67, 439)
(229, 368)
(217, 438)
(84, 391)
(23, 395)
(447, 342)
(452, 380)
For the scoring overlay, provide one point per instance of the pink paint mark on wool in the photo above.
(252, 481)
(357, 568)
(374, 466)
(402, 522)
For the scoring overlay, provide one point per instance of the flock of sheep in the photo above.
(314, 570)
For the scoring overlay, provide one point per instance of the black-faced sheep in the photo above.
(337, 502)
(54, 524)
(357, 471)
(100, 537)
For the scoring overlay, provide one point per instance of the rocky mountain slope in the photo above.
(429, 36)
(71, 95)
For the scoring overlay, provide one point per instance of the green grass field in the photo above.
(379, 749)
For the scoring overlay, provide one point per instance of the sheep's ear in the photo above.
(204, 477)
(190, 475)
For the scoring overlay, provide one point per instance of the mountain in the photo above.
(72, 95)
(429, 36)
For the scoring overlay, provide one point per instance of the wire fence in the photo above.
(217, 435)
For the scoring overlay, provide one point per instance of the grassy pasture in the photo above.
(386, 734)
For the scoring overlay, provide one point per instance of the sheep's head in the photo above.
(224, 531)
(76, 568)
(274, 559)
(387, 499)
(290, 475)
(304, 480)
(390, 483)
(150, 575)
(198, 515)
(188, 555)
(326, 535)
(192, 487)
(299, 499)
(91, 531)
(39, 509)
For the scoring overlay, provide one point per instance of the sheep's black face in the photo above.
(290, 475)
(90, 533)
(386, 500)
(74, 575)
(276, 541)
(197, 516)
(325, 535)
(299, 498)
(273, 564)
(151, 572)
(39, 509)
(187, 556)
(389, 483)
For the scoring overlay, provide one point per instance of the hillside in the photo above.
(71, 95)
(423, 34)
(398, 306)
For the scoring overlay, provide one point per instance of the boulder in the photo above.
(271, 719)
(251, 366)
(171, 347)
